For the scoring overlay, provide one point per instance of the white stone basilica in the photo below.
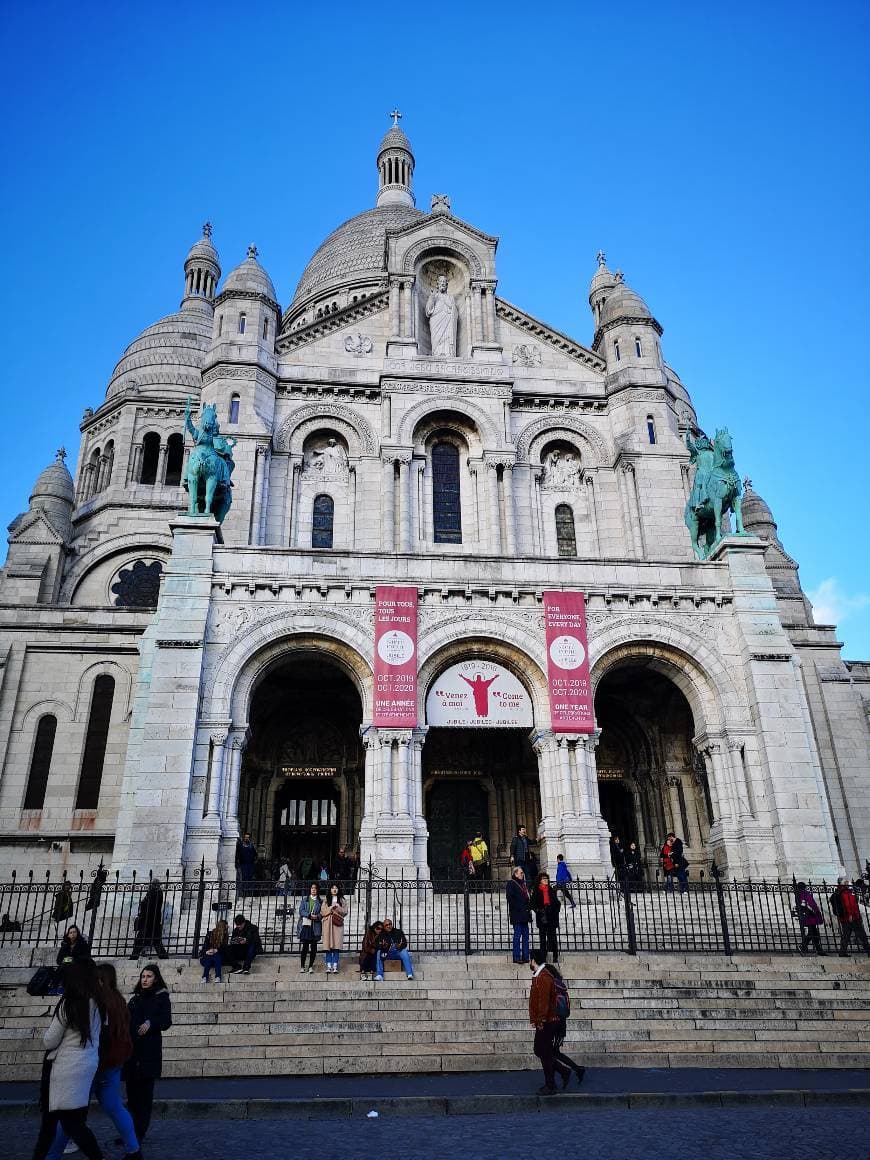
(164, 686)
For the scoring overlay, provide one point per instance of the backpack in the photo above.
(563, 999)
(42, 981)
(836, 904)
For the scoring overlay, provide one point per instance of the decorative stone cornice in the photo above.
(544, 333)
(250, 296)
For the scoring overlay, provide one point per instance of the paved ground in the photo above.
(753, 1133)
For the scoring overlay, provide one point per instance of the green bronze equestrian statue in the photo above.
(715, 490)
(210, 466)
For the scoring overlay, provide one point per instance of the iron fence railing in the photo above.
(466, 917)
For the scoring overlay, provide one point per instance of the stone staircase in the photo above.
(470, 1015)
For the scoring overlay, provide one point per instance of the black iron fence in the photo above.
(711, 915)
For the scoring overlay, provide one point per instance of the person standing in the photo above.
(674, 862)
(617, 858)
(519, 913)
(466, 861)
(546, 906)
(333, 913)
(150, 1015)
(544, 1019)
(634, 867)
(309, 927)
(214, 948)
(246, 862)
(149, 923)
(72, 1043)
(480, 856)
(520, 850)
(844, 904)
(564, 879)
(116, 1046)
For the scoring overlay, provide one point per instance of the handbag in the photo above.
(338, 920)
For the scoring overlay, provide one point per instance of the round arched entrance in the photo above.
(480, 774)
(301, 792)
(650, 780)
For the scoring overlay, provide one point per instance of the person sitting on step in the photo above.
(392, 944)
(244, 945)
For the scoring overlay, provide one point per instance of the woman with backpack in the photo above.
(116, 1047)
(809, 916)
(150, 1014)
(72, 1044)
(563, 1010)
(309, 927)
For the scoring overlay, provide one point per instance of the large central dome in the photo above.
(354, 252)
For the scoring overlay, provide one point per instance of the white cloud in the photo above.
(831, 605)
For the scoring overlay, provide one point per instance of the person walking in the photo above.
(333, 913)
(564, 879)
(368, 955)
(116, 1046)
(674, 862)
(544, 1017)
(285, 879)
(520, 850)
(150, 1015)
(844, 904)
(309, 927)
(149, 923)
(480, 856)
(806, 911)
(563, 1010)
(519, 913)
(72, 1043)
(546, 906)
(214, 949)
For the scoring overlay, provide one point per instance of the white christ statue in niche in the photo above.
(441, 312)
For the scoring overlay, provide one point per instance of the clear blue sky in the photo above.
(718, 153)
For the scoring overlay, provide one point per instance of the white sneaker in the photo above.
(71, 1147)
(302, 971)
(311, 970)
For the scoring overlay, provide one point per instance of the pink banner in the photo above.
(571, 709)
(395, 657)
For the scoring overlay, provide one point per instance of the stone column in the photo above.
(260, 468)
(238, 744)
(494, 509)
(388, 500)
(295, 468)
(676, 812)
(476, 316)
(510, 518)
(544, 743)
(161, 464)
(371, 791)
(135, 468)
(536, 475)
(582, 834)
(409, 308)
(738, 777)
(216, 776)
(405, 502)
(694, 838)
(385, 804)
(591, 507)
(418, 818)
(489, 314)
(394, 310)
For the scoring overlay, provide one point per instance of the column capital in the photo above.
(218, 739)
(542, 740)
(239, 737)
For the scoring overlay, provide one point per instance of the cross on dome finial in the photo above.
(253, 252)
(396, 115)
(60, 454)
(747, 483)
(600, 258)
(206, 230)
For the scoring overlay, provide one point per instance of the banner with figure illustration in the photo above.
(571, 709)
(395, 701)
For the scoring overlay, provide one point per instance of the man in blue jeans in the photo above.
(392, 944)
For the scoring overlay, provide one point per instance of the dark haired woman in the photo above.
(71, 1059)
(309, 927)
(74, 947)
(150, 1015)
(546, 906)
(368, 955)
(333, 913)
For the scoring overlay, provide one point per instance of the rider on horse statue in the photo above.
(716, 489)
(210, 466)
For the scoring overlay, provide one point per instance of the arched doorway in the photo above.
(301, 790)
(649, 779)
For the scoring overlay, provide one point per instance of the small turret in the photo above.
(38, 539)
(202, 271)
(626, 334)
(395, 167)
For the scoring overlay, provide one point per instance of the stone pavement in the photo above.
(749, 1133)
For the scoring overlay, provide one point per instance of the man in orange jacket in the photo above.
(542, 1016)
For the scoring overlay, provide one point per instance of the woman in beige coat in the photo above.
(332, 914)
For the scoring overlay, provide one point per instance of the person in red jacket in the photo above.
(844, 904)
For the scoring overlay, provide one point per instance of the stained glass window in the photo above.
(565, 536)
(446, 503)
(324, 514)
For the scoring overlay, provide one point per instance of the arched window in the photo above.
(638, 349)
(174, 459)
(40, 763)
(235, 401)
(616, 349)
(322, 523)
(150, 457)
(93, 759)
(651, 428)
(109, 463)
(446, 498)
(220, 325)
(265, 328)
(565, 535)
(243, 322)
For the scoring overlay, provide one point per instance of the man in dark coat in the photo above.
(246, 861)
(244, 946)
(519, 913)
(520, 850)
(844, 903)
(149, 923)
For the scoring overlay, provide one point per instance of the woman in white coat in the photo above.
(72, 1044)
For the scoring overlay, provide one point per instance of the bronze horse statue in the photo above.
(209, 467)
(716, 490)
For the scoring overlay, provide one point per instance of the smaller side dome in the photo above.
(249, 277)
(54, 483)
(602, 279)
(395, 138)
(395, 164)
(623, 302)
(757, 516)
